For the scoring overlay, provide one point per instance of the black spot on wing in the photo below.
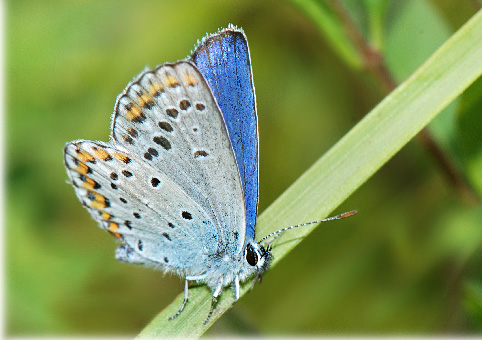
(165, 126)
(186, 215)
(162, 141)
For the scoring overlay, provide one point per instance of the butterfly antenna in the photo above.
(337, 217)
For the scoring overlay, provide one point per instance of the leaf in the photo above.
(346, 166)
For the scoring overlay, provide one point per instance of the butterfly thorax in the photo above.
(224, 267)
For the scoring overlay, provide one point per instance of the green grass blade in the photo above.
(361, 152)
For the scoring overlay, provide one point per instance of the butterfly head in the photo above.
(257, 256)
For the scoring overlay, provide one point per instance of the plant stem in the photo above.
(375, 63)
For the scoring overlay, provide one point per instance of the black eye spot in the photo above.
(155, 182)
(165, 126)
(184, 104)
(91, 196)
(113, 186)
(194, 129)
(171, 225)
(162, 142)
(123, 200)
(186, 215)
(136, 215)
(172, 113)
(128, 224)
(148, 156)
(126, 173)
(140, 245)
(166, 260)
(166, 235)
(114, 176)
(200, 107)
(251, 256)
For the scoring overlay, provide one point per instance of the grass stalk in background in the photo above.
(374, 62)
(346, 166)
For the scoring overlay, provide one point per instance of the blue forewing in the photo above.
(223, 59)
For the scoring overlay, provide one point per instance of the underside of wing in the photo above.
(167, 184)
(118, 190)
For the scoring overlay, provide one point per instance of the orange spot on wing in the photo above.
(117, 235)
(89, 183)
(99, 201)
(82, 168)
(84, 156)
(102, 154)
(121, 157)
(170, 80)
(145, 100)
(106, 216)
(155, 89)
(113, 227)
(190, 79)
(133, 111)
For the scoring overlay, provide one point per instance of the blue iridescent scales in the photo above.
(223, 59)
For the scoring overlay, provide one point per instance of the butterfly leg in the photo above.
(186, 288)
(236, 288)
(256, 279)
(216, 293)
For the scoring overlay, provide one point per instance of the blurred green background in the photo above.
(409, 263)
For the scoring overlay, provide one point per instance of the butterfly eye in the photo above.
(251, 255)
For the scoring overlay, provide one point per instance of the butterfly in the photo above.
(177, 184)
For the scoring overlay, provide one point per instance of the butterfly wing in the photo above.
(114, 184)
(167, 184)
(224, 61)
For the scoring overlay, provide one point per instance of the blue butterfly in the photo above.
(178, 182)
